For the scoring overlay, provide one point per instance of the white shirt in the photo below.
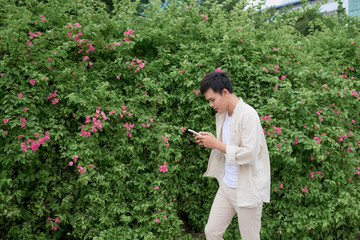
(230, 177)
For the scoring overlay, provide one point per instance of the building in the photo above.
(352, 7)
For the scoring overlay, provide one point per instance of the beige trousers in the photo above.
(224, 209)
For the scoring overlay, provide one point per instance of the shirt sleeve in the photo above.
(248, 151)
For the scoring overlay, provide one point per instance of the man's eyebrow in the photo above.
(210, 98)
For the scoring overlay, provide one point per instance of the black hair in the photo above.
(217, 81)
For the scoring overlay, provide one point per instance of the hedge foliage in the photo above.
(94, 108)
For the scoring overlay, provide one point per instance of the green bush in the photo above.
(94, 108)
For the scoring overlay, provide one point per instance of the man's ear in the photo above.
(225, 92)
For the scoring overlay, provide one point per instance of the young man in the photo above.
(239, 160)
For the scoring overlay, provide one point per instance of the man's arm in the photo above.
(208, 140)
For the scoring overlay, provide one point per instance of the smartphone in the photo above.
(192, 131)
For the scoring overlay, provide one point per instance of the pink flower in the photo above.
(157, 220)
(276, 88)
(164, 168)
(318, 139)
(81, 170)
(6, 132)
(352, 42)
(296, 140)
(268, 118)
(151, 120)
(206, 18)
(182, 129)
(75, 158)
(5, 120)
(55, 101)
(86, 58)
(24, 110)
(43, 20)
(91, 165)
(71, 163)
(196, 91)
(54, 227)
(20, 136)
(165, 138)
(118, 77)
(304, 190)
(218, 70)
(77, 25)
(156, 187)
(181, 71)
(278, 130)
(281, 186)
(239, 27)
(20, 95)
(274, 48)
(57, 220)
(32, 82)
(282, 77)
(129, 32)
(186, 8)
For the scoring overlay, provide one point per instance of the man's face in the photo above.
(217, 101)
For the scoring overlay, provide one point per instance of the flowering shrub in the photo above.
(95, 107)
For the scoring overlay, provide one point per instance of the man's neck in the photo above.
(233, 100)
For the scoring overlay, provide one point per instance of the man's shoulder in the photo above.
(245, 109)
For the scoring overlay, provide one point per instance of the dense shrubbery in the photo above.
(94, 107)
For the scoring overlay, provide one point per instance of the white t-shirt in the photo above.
(230, 178)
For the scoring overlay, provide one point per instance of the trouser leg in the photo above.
(250, 222)
(221, 214)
